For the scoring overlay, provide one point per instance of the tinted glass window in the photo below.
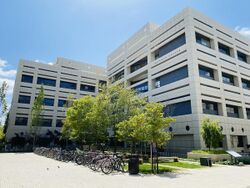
(61, 103)
(139, 64)
(141, 88)
(170, 46)
(203, 40)
(46, 81)
(21, 121)
(171, 77)
(88, 88)
(232, 111)
(178, 109)
(210, 107)
(67, 85)
(242, 56)
(245, 83)
(248, 113)
(224, 49)
(27, 78)
(48, 102)
(118, 76)
(102, 82)
(24, 99)
(59, 123)
(46, 122)
(228, 79)
(206, 72)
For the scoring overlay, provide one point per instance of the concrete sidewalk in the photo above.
(31, 171)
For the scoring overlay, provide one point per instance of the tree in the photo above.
(132, 130)
(76, 125)
(211, 133)
(36, 112)
(3, 102)
(156, 127)
(2, 135)
(122, 103)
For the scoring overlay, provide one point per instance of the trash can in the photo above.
(133, 164)
(204, 161)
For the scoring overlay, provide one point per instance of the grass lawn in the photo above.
(145, 168)
(182, 165)
(210, 152)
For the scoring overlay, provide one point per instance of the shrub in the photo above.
(245, 160)
(210, 151)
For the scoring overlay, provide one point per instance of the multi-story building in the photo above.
(60, 80)
(197, 68)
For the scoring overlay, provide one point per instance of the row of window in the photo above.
(23, 121)
(63, 84)
(205, 41)
(226, 78)
(212, 108)
(177, 109)
(171, 77)
(24, 99)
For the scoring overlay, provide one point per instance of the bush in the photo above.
(210, 152)
(245, 160)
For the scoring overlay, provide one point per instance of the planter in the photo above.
(214, 157)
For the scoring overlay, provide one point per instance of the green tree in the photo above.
(122, 103)
(2, 135)
(36, 112)
(76, 125)
(211, 133)
(3, 102)
(156, 127)
(132, 130)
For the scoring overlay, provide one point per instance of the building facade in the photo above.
(60, 80)
(197, 68)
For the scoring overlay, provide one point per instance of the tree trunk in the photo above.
(151, 156)
(157, 161)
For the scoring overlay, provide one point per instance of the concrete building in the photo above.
(197, 68)
(62, 79)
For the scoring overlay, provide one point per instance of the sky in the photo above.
(89, 30)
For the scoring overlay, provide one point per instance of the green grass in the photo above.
(210, 152)
(183, 165)
(145, 168)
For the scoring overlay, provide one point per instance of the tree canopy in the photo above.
(211, 133)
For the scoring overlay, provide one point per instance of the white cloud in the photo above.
(42, 61)
(6, 73)
(243, 30)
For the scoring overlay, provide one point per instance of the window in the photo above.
(224, 49)
(142, 88)
(232, 111)
(248, 113)
(59, 123)
(242, 56)
(21, 121)
(61, 103)
(206, 72)
(139, 64)
(245, 84)
(177, 109)
(27, 78)
(240, 141)
(88, 88)
(67, 85)
(201, 39)
(118, 76)
(46, 122)
(24, 99)
(48, 102)
(228, 79)
(170, 46)
(210, 107)
(46, 81)
(102, 82)
(171, 77)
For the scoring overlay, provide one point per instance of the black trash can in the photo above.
(204, 161)
(133, 164)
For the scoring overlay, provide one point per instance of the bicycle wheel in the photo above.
(107, 166)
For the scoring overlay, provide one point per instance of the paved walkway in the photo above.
(31, 171)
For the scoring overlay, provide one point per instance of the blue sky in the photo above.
(88, 30)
